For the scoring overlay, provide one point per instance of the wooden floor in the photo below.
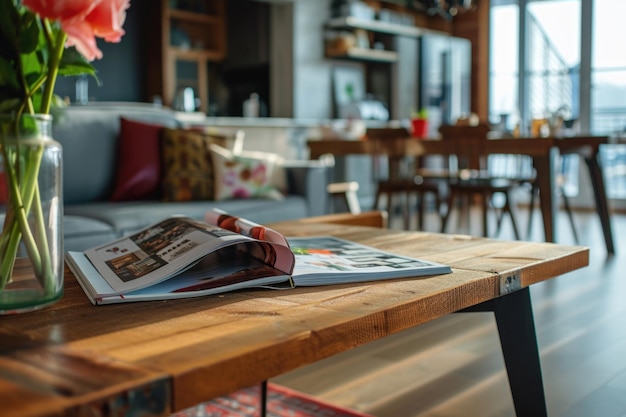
(453, 367)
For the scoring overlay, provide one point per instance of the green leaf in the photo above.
(35, 78)
(8, 78)
(36, 99)
(43, 56)
(9, 105)
(32, 64)
(9, 20)
(77, 69)
(73, 63)
(29, 33)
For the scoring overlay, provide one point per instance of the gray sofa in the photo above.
(89, 136)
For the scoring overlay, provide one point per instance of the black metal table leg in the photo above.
(263, 402)
(516, 326)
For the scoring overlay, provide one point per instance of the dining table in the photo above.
(543, 151)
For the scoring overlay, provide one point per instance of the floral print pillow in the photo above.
(240, 176)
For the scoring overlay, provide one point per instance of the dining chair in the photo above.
(561, 180)
(403, 180)
(475, 182)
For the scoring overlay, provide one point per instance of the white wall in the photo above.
(300, 74)
(312, 72)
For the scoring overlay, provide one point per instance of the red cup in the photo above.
(420, 128)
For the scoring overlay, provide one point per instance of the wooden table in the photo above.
(542, 150)
(73, 358)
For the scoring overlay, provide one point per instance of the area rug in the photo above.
(281, 402)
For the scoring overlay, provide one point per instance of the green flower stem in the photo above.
(53, 67)
(17, 224)
(7, 262)
(46, 278)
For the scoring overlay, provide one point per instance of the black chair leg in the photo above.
(485, 208)
(510, 209)
(406, 209)
(568, 210)
(449, 207)
(534, 191)
(438, 204)
(499, 220)
(570, 216)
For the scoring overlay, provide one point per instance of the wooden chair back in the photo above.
(468, 143)
(396, 165)
(479, 131)
(387, 133)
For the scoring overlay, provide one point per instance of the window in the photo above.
(566, 53)
(608, 67)
(550, 64)
(504, 50)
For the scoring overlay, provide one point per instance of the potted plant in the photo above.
(419, 123)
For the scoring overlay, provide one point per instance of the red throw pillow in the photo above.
(138, 161)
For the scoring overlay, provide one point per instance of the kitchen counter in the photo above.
(282, 135)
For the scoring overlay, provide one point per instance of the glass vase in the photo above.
(31, 214)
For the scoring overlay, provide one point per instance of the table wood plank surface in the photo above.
(72, 358)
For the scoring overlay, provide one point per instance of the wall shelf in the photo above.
(194, 16)
(350, 22)
(364, 54)
(375, 32)
(196, 54)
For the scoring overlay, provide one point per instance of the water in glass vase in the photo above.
(31, 214)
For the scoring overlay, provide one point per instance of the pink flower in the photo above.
(84, 20)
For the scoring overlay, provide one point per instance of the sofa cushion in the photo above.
(89, 136)
(80, 233)
(138, 161)
(187, 166)
(128, 217)
(246, 176)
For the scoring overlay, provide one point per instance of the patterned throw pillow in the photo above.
(187, 165)
(245, 176)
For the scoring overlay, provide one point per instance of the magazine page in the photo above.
(211, 275)
(285, 259)
(330, 260)
(165, 249)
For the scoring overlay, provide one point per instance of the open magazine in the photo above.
(179, 257)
